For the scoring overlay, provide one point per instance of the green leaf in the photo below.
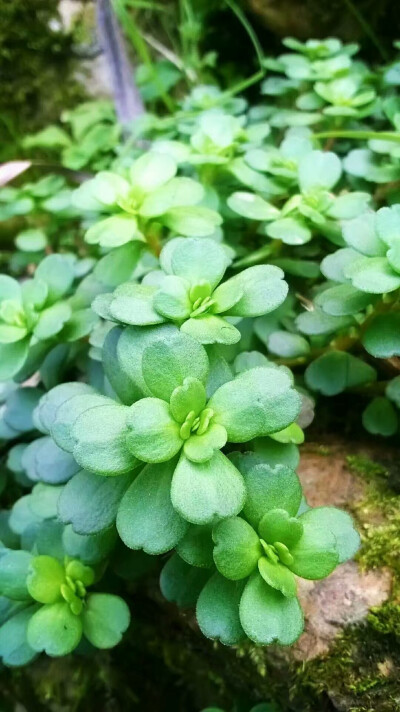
(45, 578)
(68, 412)
(261, 288)
(54, 630)
(80, 324)
(252, 206)
(217, 610)
(268, 488)
(319, 169)
(333, 266)
(344, 300)
(114, 231)
(210, 329)
(388, 224)
(91, 549)
(335, 371)
(152, 170)
(10, 289)
(292, 231)
(205, 492)
(43, 500)
(32, 240)
(267, 616)
(118, 266)
(172, 299)
(14, 648)
(373, 274)
(100, 440)
(177, 192)
(12, 358)
(181, 583)
(131, 346)
(393, 390)
(380, 418)
(360, 234)
(168, 361)
(237, 548)
(90, 502)
(277, 525)
(52, 320)
(196, 547)
(317, 323)
(50, 402)
(340, 524)
(45, 461)
(58, 273)
(278, 576)
(256, 402)
(200, 448)
(190, 396)
(9, 334)
(134, 304)
(287, 345)
(192, 221)
(14, 566)
(125, 388)
(276, 453)
(196, 260)
(315, 555)
(382, 337)
(18, 413)
(105, 619)
(152, 433)
(349, 205)
(146, 519)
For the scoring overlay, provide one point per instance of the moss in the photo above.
(37, 67)
(379, 516)
(367, 468)
(361, 668)
(386, 619)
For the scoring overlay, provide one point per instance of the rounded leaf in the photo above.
(152, 433)
(380, 417)
(100, 440)
(105, 619)
(217, 610)
(237, 548)
(205, 492)
(146, 518)
(45, 578)
(54, 629)
(257, 402)
(382, 337)
(267, 616)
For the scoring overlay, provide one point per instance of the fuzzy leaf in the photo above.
(217, 610)
(205, 492)
(237, 548)
(256, 402)
(105, 619)
(152, 433)
(267, 616)
(100, 440)
(54, 630)
(335, 371)
(146, 519)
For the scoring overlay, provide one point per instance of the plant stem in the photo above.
(361, 135)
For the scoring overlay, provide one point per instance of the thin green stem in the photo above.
(141, 48)
(367, 28)
(361, 135)
(237, 10)
(243, 85)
